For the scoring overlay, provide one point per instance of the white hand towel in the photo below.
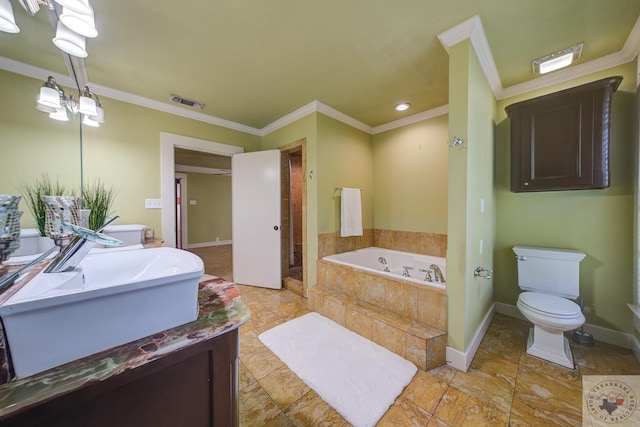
(351, 213)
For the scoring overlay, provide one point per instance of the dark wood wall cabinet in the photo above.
(560, 141)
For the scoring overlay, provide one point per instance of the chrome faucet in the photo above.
(405, 270)
(427, 276)
(383, 261)
(439, 277)
(70, 257)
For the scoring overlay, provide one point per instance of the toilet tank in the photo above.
(548, 270)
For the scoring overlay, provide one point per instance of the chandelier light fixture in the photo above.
(76, 22)
(53, 100)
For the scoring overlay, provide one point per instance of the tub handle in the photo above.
(427, 277)
(405, 270)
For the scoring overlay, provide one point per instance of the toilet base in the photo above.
(553, 347)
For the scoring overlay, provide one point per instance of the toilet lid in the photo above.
(549, 304)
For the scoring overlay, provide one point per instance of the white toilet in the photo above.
(550, 278)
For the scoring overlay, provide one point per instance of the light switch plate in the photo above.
(153, 203)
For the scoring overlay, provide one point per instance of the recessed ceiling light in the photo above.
(403, 106)
(555, 61)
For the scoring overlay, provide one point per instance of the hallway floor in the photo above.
(504, 386)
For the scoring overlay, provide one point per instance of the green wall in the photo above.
(210, 217)
(597, 222)
(124, 152)
(344, 160)
(307, 128)
(471, 117)
(410, 177)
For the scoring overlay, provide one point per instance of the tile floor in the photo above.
(504, 386)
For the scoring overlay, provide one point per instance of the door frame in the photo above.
(300, 145)
(168, 143)
(183, 209)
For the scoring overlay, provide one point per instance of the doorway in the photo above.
(294, 219)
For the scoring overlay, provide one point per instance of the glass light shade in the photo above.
(99, 117)
(7, 20)
(80, 6)
(45, 108)
(85, 25)
(60, 115)
(89, 121)
(49, 97)
(70, 42)
(88, 106)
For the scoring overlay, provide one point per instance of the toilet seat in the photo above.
(549, 305)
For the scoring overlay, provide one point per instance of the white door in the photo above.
(255, 223)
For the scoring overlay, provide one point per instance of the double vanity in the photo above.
(130, 337)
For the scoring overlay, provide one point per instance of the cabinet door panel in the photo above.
(561, 141)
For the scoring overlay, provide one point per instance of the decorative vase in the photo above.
(59, 209)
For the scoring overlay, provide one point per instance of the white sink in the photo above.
(113, 298)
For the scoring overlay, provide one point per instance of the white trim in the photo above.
(168, 142)
(462, 361)
(609, 336)
(34, 72)
(205, 170)
(207, 244)
(567, 74)
(472, 29)
(340, 116)
(314, 107)
(301, 112)
(405, 121)
(184, 220)
(635, 348)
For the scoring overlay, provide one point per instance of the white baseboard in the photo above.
(635, 347)
(462, 361)
(206, 244)
(609, 336)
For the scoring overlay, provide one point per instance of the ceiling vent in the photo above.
(186, 101)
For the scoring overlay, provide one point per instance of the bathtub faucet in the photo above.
(427, 277)
(383, 261)
(437, 273)
(405, 270)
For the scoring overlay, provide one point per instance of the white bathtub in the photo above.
(367, 259)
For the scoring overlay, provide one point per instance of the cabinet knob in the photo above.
(526, 184)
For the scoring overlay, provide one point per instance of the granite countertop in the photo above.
(221, 310)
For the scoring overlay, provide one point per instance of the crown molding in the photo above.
(405, 121)
(472, 29)
(42, 74)
(340, 116)
(34, 72)
(283, 121)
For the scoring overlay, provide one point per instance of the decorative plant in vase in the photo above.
(32, 194)
(97, 198)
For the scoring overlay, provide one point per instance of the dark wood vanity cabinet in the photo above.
(560, 141)
(195, 386)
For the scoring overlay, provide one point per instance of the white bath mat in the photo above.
(357, 377)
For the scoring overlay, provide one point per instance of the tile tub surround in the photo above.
(410, 241)
(406, 241)
(406, 318)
